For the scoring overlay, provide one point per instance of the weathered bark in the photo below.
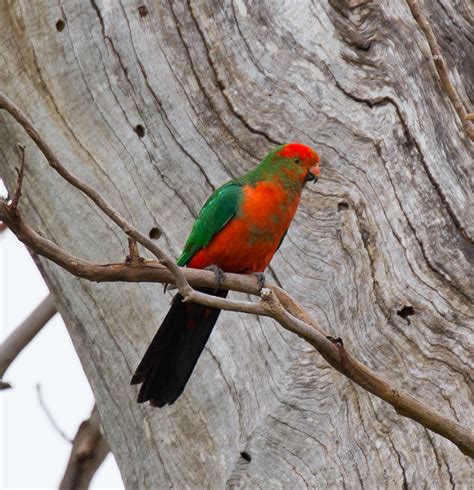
(383, 240)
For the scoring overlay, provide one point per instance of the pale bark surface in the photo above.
(386, 228)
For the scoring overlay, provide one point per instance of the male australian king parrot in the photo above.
(239, 229)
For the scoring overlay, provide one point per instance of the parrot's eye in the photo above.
(297, 160)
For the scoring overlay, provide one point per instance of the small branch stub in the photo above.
(134, 257)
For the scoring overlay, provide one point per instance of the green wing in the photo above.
(218, 210)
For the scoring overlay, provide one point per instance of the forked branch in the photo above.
(274, 302)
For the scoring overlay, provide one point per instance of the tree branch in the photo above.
(441, 67)
(23, 335)
(89, 449)
(274, 302)
(115, 216)
(19, 182)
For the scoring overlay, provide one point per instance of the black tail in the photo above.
(175, 350)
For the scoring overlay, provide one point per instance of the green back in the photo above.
(218, 210)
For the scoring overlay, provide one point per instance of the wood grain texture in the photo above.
(215, 85)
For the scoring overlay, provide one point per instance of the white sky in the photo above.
(32, 453)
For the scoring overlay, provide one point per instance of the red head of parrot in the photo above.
(303, 155)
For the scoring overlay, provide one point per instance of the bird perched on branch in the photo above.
(239, 229)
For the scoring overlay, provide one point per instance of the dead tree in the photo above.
(156, 106)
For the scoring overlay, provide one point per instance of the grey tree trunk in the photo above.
(158, 106)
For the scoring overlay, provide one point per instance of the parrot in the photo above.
(238, 230)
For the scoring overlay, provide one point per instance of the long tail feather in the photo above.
(175, 350)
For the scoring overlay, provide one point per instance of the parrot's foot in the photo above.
(219, 273)
(260, 279)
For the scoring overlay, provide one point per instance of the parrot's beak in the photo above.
(313, 174)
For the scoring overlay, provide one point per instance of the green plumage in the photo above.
(225, 203)
(238, 229)
(218, 210)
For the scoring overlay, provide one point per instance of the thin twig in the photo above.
(24, 334)
(441, 67)
(49, 416)
(89, 449)
(274, 302)
(19, 180)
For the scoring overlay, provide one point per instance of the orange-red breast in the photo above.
(239, 229)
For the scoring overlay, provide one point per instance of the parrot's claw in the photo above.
(260, 279)
(219, 273)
